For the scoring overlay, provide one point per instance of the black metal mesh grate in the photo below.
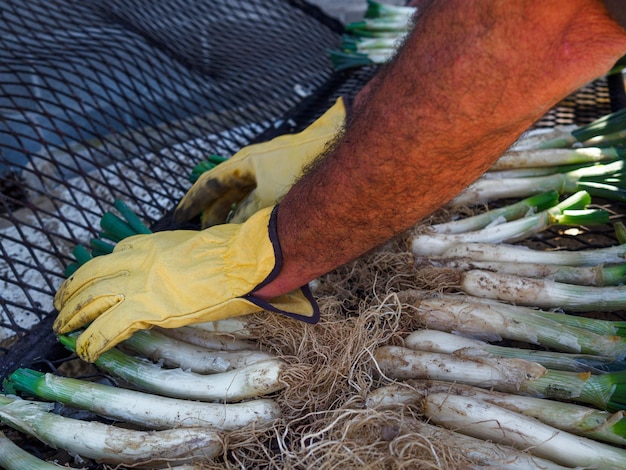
(106, 99)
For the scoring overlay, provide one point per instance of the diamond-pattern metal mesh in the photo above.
(105, 99)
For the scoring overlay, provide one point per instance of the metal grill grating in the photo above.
(109, 99)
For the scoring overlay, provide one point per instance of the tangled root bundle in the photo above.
(325, 424)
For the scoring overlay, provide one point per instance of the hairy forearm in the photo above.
(473, 75)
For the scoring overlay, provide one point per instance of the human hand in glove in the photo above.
(258, 175)
(176, 278)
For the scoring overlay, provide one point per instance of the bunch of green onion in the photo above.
(491, 393)
(179, 414)
(561, 387)
(567, 434)
(107, 443)
(376, 38)
(476, 252)
(499, 227)
(564, 159)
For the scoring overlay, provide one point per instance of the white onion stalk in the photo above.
(505, 375)
(514, 211)
(508, 253)
(494, 423)
(555, 137)
(482, 454)
(106, 443)
(538, 158)
(543, 293)
(205, 338)
(139, 408)
(580, 275)
(235, 327)
(12, 457)
(442, 342)
(576, 419)
(176, 353)
(494, 321)
(251, 381)
(435, 244)
(486, 190)
(520, 173)
(594, 325)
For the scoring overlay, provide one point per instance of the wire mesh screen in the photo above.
(120, 99)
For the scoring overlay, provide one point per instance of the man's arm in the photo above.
(473, 75)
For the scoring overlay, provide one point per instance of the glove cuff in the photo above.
(296, 298)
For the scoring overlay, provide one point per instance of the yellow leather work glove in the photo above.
(172, 279)
(258, 175)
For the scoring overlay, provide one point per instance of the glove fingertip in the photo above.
(59, 326)
(89, 348)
